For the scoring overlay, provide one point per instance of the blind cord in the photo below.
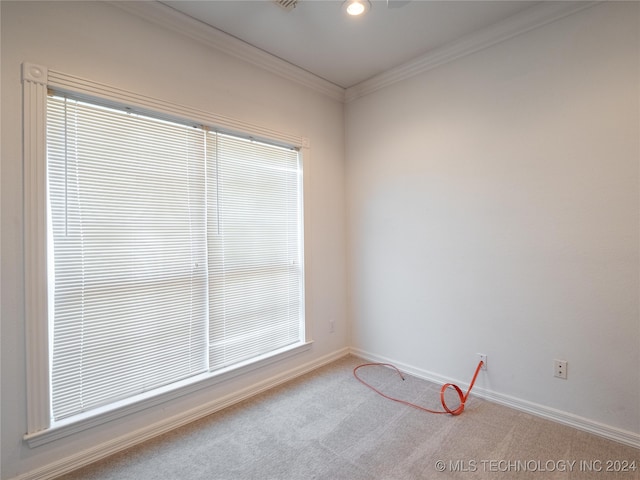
(66, 171)
(457, 411)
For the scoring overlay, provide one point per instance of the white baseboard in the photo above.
(616, 434)
(93, 454)
(88, 456)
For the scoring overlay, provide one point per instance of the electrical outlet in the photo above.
(332, 327)
(482, 358)
(560, 369)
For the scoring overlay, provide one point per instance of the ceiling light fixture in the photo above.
(356, 7)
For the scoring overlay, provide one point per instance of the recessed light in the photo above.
(356, 7)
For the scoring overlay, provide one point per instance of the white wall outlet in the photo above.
(482, 358)
(560, 369)
(332, 325)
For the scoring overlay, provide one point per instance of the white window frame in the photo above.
(36, 81)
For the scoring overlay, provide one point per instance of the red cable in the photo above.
(457, 411)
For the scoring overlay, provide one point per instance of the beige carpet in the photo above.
(327, 425)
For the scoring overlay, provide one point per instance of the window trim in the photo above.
(36, 81)
(150, 399)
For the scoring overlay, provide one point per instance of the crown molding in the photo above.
(534, 17)
(171, 19)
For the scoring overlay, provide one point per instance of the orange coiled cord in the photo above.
(457, 411)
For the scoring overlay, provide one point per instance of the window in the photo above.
(174, 251)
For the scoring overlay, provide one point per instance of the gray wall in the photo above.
(493, 207)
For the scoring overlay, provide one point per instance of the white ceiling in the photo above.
(319, 37)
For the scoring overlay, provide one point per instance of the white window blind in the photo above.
(176, 251)
(255, 271)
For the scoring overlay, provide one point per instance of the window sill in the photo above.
(102, 415)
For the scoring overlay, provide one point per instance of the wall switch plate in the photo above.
(560, 369)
